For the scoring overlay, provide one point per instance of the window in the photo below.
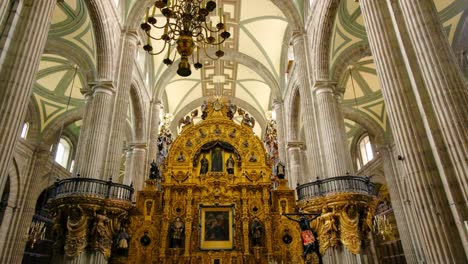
(24, 131)
(365, 151)
(62, 155)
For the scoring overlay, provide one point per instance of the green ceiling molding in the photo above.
(54, 82)
(71, 24)
(349, 32)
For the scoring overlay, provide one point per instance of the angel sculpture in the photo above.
(183, 122)
(232, 108)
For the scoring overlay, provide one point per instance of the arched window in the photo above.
(365, 153)
(24, 131)
(62, 156)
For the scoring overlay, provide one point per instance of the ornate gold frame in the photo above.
(213, 225)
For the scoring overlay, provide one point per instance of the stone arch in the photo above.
(32, 117)
(288, 8)
(50, 134)
(73, 54)
(12, 204)
(106, 29)
(259, 117)
(340, 66)
(293, 121)
(325, 15)
(230, 54)
(367, 123)
(139, 113)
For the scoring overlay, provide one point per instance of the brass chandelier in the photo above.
(186, 24)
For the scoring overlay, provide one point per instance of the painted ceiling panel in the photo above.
(71, 23)
(178, 88)
(253, 9)
(262, 30)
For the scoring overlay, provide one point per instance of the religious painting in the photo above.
(216, 227)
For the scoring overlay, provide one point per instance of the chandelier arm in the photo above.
(206, 53)
(159, 52)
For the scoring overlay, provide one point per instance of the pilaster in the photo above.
(138, 165)
(295, 164)
(280, 128)
(156, 109)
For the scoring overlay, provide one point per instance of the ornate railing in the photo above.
(340, 184)
(92, 188)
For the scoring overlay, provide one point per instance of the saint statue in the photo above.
(203, 165)
(230, 165)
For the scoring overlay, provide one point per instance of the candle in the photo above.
(147, 14)
(154, 10)
(198, 53)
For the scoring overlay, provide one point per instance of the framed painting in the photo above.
(216, 227)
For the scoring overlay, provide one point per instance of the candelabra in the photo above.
(37, 232)
(186, 25)
(383, 227)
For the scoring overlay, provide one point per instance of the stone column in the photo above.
(278, 106)
(156, 109)
(80, 146)
(99, 124)
(128, 167)
(295, 164)
(408, 240)
(443, 80)
(121, 104)
(21, 49)
(138, 166)
(434, 224)
(334, 143)
(442, 98)
(308, 110)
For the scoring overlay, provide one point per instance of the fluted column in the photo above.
(121, 104)
(433, 221)
(334, 143)
(156, 109)
(80, 146)
(308, 110)
(444, 83)
(99, 124)
(20, 52)
(128, 179)
(278, 106)
(402, 216)
(295, 164)
(138, 166)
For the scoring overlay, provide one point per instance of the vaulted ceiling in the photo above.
(252, 72)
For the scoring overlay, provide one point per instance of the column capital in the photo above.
(324, 86)
(138, 145)
(298, 35)
(277, 103)
(131, 34)
(157, 102)
(107, 87)
(295, 145)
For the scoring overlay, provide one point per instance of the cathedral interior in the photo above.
(234, 131)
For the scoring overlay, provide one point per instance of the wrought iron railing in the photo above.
(340, 184)
(91, 188)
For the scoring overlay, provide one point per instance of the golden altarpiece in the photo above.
(212, 201)
(215, 203)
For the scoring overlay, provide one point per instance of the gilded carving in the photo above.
(77, 224)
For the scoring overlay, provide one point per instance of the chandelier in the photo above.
(186, 25)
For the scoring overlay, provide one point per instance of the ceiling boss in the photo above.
(185, 24)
